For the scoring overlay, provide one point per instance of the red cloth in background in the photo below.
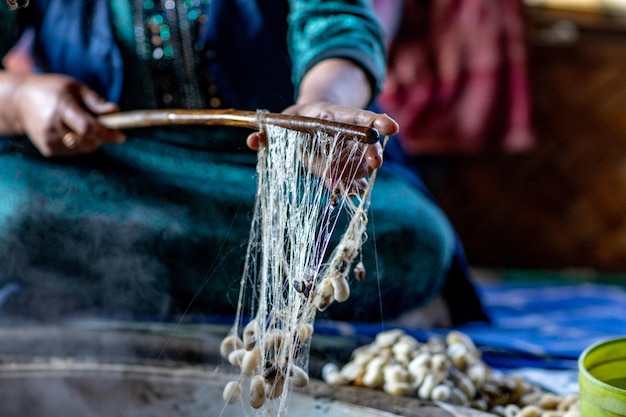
(457, 80)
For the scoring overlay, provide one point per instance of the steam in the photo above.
(92, 266)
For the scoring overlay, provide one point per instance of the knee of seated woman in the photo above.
(407, 223)
(419, 253)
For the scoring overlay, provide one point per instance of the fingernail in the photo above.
(374, 157)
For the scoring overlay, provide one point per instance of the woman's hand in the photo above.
(352, 164)
(384, 124)
(354, 161)
(59, 115)
(337, 89)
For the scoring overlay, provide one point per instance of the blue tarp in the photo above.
(539, 324)
(552, 322)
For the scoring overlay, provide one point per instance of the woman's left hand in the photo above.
(384, 124)
(350, 166)
(337, 89)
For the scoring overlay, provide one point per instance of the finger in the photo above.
(69, 143)
(374, 156)
(94, 102)
(90, 132)
(255, 140)
(357, 187)
(96, 133)
(338, 188)
(385, 125)
(348, 164)
(293, 110)
(355, 165)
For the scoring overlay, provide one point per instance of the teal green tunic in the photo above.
(158, 226)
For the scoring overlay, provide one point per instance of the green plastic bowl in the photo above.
(602, 379)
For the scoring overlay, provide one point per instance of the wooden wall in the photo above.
(563, 204)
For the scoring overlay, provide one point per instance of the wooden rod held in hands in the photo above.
(237, 118)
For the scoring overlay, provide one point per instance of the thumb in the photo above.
(95, 103)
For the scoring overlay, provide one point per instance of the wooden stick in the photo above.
(233, 117)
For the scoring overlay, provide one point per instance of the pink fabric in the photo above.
(457, 80)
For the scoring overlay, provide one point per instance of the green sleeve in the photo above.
(320, 29)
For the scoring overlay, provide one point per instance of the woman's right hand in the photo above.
(59, 115)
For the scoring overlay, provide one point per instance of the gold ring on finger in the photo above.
(70, 140)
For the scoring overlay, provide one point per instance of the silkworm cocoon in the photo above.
(549, 401)
(365, 349)
(498, 410)
(397, 388)
(439, 363)
(478, 373)
(531, 398)
(251, 362)
(352, 371)
(458, 397)
(424, 391)
(385, 353)
(341, 289)
(341, 266)
(440, 393)
(229, 345)
(525, 386)
(418, 374)
(480, 404)
(568, 403)
(422, 360)
(394, 372)
(232, 392)
(491, 391)
(274, 388)
(305, 331)
(270, 370)
(273, 342)
(331, 375)
(324, 297)
(349, 249)
(458, 354)
(402, 351)
(257, 391)
(530, 411)
(553, 413)
(250, 334)
(467, 386)
(572, 413)
(299, 285)
(519, 387)
(359, 272)
(409, 340)
(373, 377)
(388, 338)
(455, 336)
(363, 357)
(299, 377)
(235, 357)
(436, 344)
(462, 382)
(511, 410)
